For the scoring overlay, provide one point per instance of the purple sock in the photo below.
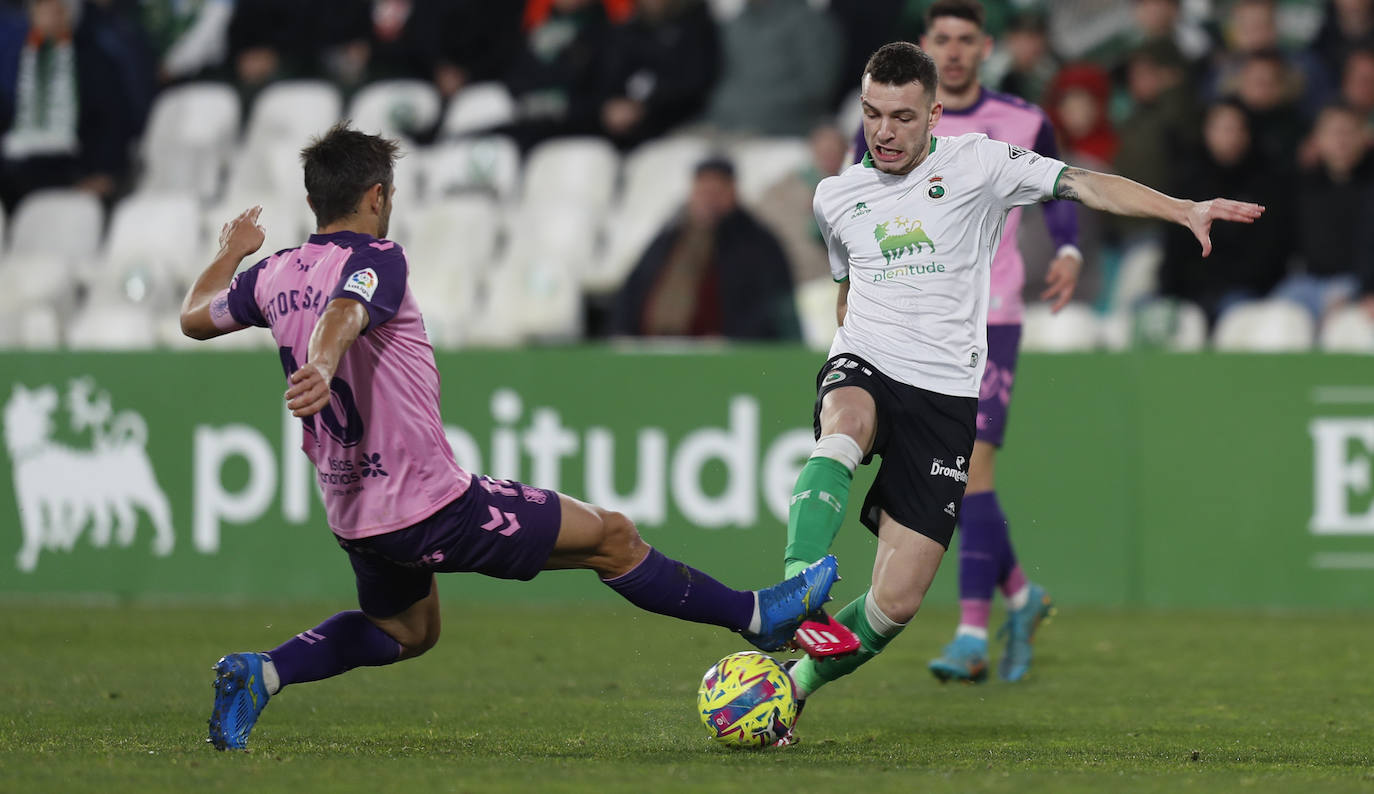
(343, 642)
(668, 587)
(985, 553)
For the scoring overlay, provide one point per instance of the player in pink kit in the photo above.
(956, 40)
(362, 378)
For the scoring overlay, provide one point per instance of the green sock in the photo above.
(817, 511)
(811, 675)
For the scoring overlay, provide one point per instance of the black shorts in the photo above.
(925, 440)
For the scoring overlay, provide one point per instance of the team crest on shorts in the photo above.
(533, 495)
(834, 377)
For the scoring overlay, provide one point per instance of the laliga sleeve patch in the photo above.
(362, 282)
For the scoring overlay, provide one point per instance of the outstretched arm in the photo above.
(343, 319)
(202, 315)
(1121, 196)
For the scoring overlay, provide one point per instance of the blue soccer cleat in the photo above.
(240, 695)
(1019, 632)
(783, 606)
(964, 659)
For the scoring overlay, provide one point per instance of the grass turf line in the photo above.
(592, 698)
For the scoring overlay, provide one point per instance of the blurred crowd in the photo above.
(1260, 100)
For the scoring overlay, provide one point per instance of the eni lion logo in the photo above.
(64, 491)
(903, 237)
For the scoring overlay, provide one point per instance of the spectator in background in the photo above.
(1332, 207)
(1244, 265)
(1269, 89)
(1163, 121)
(189, 38)
(1156, 20)
(1349, 25)
(660, 67)
(714, 272)
(780, 70)
(1357, 84)
(556, 75)
(1077, 105)
(1033, 63)
(477, 41)
(785, 207)
(1251, 27)
(866, 25)
(71, 101)
(277, 39)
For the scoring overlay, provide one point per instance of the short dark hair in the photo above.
(902, 62)
(716, 164)
(972, 10)
(343, 164)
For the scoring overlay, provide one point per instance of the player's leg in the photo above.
(399, 620)
(608, 543)
(846, 429)
(903, 569)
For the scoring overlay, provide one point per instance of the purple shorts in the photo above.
(994, 394)
(500, 528)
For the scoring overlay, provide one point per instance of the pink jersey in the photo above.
(1013, 120)
(379, 447)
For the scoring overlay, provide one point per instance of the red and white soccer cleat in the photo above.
(821, 636)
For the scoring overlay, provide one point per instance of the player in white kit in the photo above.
(911, 233)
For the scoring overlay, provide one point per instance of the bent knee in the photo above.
(620, 544)
(417, 642)
(898, 607)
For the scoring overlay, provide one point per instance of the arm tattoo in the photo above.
(1067, 187)
(219, 308)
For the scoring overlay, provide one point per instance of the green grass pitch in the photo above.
(601, 698)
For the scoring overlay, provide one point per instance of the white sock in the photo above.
(756, 622)
(270, 679)
(1019, 599)
(881, 623)
(977, 632)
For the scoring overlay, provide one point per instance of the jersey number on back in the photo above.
(347, 432)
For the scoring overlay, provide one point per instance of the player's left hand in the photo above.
(1062, 280)
(309, 391)
(1202, 213)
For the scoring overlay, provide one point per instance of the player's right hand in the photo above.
(243, 235)
(309, 391)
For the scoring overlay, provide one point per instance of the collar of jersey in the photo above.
(342, 236)
(867, 162)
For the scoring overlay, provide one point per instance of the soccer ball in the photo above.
(746, 700)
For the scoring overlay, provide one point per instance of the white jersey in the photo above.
(917, 250)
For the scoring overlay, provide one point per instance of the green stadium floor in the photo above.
(598, 699)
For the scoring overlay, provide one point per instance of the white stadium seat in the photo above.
(112, 326)
(151, 253)
(658, 174)
(35, 279)
(190, 138)
(578, 172)
(489, 164)
(533, 292)
(396, 108)
(816, 310)
(285, 117)
(1266, 326)
(478, 108)
(1348, 329)
(628, 232)
(450, 246)
(1073, 329)
(761, 162)
(61, 223)
(1174, 325)
(1138, 276)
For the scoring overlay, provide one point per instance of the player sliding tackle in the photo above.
(361, 376)
(911, 231)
